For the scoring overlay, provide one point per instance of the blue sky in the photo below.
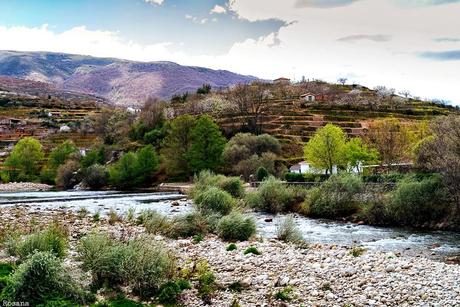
(405, 44)
(143, 22)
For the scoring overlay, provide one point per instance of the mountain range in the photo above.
(121, 82)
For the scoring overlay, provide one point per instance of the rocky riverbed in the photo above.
(24, 187)
(318, 275)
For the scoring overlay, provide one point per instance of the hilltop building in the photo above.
(282, 81)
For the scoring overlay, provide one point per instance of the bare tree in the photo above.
(250, 100)
(441, 153)
(342, 80)
(405, 93)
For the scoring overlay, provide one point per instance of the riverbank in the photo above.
(24, 187)
(319, 275)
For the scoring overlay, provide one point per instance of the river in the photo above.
(406, 241)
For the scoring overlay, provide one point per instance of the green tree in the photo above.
(147, 163)
(176, 146)
(207, 145)
(355, 152)
(23, 164)
(134, 169)
(325, 148)
(61, 153)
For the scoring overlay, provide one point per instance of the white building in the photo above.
(305, 168)
(308, 97)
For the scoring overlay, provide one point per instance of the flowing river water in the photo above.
(406, 241)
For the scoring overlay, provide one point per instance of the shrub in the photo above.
(66, 177)
(357, 251)
(188, 225)
(233, 185)
(288, 231)
(5, 270)
(96, 176)
(253, 200)
(251, 250)
(294, 177)
(169, 292)
(148, 265)
(276, 196)
(214, 200)
(42, 278)
(53, 240)
(236, 227)
(154, 222)
(206, 179)
(262, 173)
(336, 196)
(417, 202)
(206, 286)
(285, 294)
(142, 263)
(103, 257)
(231, 247)
(236, 286)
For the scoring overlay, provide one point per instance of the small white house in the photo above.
(305, 168)
(308, 97)
(64, 129)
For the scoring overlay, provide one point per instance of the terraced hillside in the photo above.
(294, 120)
(35, 109)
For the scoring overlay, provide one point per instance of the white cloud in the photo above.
(157, 2)
(218, 10)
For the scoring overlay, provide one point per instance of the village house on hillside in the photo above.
(305, 168)
(282, 81)
(310, 97)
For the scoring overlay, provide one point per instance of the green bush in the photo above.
(233, 185)
(231, 247)
(53, 240)
(251, 250)
(206, 286)
(206, 179)
(96, 176)
(103, 257)
(417, 202)
(262, 174)
(147, 266)
(288, 231)
(154, 222)
(285, 294)
(42, 278)
(336, 196)
(253, 200)
(169, 292)
(188, 225)
(214, 200)
(236, 227)
(276, 196)
(294, 177)
(142, 263)
(5, 270)
(66, 175)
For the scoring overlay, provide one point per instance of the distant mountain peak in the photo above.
(122, 82)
